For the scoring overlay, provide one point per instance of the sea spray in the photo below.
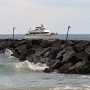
(9, 53)
(20, 67)
(26, 65)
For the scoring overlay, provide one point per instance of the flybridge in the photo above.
(41, 28)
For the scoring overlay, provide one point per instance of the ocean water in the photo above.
(59, 36)
(16, 75)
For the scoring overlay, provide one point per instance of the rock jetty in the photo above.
(71, 57)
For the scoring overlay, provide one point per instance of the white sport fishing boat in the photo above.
(40, 33)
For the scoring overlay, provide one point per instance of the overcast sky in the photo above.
(56, 15)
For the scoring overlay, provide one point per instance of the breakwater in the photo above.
(61, 56)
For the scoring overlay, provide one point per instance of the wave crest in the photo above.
(9, 53)
(21, 67)
(30, 66)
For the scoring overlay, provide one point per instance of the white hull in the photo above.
(41, 36)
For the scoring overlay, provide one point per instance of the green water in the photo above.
(15, 75)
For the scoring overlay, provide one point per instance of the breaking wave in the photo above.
(26, 66)
(13, 66)
(9, 53)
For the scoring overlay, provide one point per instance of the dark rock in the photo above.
(55, 64)
(70, 43)
(30, 58)
(87, 49)
(3, 45)
(48, 70)
(41, 51)
(80, 68)
(56, 45)
(83, 70)
(46, 43)
(52, 54)
(65, 68)
(72, 59)
(60, 55)
(66, 53)
(22, 57)
(23, 42)
(80, 46)
(82, 55)
(22, 48)
(36, 42)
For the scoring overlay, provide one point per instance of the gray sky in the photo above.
(56, 15)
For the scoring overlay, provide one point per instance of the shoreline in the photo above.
(68, 57)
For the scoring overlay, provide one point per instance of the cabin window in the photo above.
(39, 32)
(34, 33)
(44, 32)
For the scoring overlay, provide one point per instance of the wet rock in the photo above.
(53, 65)
(22, 57)
(30, 58)
(65, 68)
(48, 70)
(80, 68)
(63, 56)
(82, 56)
(83, 69)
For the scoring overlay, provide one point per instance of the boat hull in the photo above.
(44, 37)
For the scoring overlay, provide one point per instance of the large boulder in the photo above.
(65, 68)
(76, 57)
(80, 46)
(46, 43)
(52, 54)
(3, 44)
(65, 53)
(56, 45)
(80, 68)
(82, 56)
(72, 59)
(53, 65)
(36, 42)
(87, 49)
(41, 51)
(22, 48)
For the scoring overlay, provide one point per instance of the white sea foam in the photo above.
(9, 53)
(70, 88)
(86, 86)
(26, 65)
